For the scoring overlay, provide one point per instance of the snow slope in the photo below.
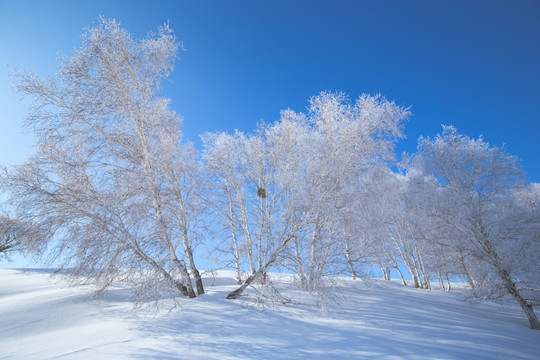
(44, 318)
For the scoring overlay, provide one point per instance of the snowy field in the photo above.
(44, 318)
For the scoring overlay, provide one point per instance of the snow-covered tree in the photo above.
(253, 175)
(402, 241)
(494, 222)
(287, 190)
(11, 236)
(111, 188)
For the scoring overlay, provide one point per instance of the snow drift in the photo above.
(45, 318)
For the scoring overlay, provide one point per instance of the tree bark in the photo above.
(198, 281)
(401, 276)
(349, 260)
(186, 286)
(194, 271)
(525, 306)
(468, 276)
(262, 272)
(238, 292)
(441, 282)
(448, 282)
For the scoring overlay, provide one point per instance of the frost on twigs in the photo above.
(263, 296)
(323, 291)
(307, 170)
(112, 188)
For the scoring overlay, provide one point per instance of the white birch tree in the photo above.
(307, 166)
(111, 188)
(494, 230)
(14, 237)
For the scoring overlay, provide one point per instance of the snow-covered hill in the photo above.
(44, 318)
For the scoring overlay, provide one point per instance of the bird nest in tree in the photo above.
(261, 192)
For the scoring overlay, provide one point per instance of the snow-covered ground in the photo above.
(44, 318)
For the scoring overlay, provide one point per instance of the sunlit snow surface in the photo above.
(44, 318)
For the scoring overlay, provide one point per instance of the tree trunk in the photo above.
(187, 287)
(198, 281)
(238, 292)
(385, 271)
(194, 271)
(468, 276)
(441, 281)
(448, 282)
(353, 273)
(349, 260)
(423, 273)
(292, 235)
(230, 220)
(184, 290)
(247, 234)
(401, 276)
(262, 272)
(172, 253)
(236, 255)
(533, 319)
(527, 308)
(299, 264)
(237, 260)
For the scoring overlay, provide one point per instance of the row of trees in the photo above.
(114, 193)
(463, 208)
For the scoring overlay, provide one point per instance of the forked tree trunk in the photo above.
(194, 271)
(186, 288)
(386, 272)
(448, 282)
(441, 281)
(183, 289)
(261, 273)
(172, 253)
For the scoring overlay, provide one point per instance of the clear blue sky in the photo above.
(473, 64)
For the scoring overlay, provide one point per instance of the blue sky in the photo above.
(472, 64)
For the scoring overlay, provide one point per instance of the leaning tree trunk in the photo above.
(527, 308)
(251, 279)
(186, 287)
(157, 202)
(262, 271)
(400, 275)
